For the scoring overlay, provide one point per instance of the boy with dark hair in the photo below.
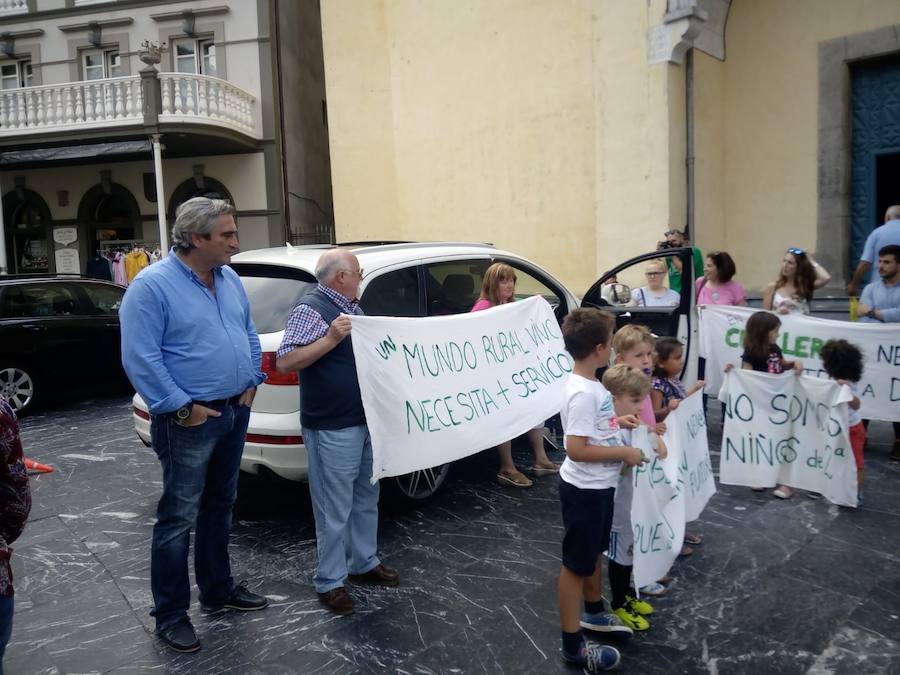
(587, 485)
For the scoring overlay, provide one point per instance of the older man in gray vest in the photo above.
(345, 503)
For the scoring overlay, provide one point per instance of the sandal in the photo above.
(665, 581)
(692, 539)
(686, 551)
(548, 469)
(514, 479)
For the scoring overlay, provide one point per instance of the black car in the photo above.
(57, 334)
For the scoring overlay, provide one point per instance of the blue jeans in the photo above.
(6, 619)
(200, 474)
(345, 503)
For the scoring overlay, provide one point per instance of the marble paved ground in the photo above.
(776, 587)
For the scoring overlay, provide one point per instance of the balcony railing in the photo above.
(113, 102)
(13, 7)
(200, 98)
(81, 105)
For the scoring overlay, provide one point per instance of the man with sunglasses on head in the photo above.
(345, 502)
(889, 233)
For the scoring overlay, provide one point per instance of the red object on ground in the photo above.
(31, 465)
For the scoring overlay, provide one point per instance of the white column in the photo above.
(160, 196)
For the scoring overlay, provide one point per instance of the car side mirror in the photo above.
(617, 295)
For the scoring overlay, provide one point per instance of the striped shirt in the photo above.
(305, 325)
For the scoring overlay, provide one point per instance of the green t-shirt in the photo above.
(675, 275)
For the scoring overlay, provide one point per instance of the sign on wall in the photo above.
(65, 235)
(802, 337)
(441, 388)
(67, 261)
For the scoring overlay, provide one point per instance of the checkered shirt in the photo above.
(305, 325)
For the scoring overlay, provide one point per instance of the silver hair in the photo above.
(330, 263)
(197, 216)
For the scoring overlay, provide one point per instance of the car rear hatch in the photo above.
(274, 291)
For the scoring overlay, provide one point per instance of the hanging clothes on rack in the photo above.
(99, 267)
(118, 265)
(135, 262)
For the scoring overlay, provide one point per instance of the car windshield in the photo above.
(273, 292)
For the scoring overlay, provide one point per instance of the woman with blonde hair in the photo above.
(499, 288)
(655, 293)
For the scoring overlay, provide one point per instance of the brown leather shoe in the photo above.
(377, 576)
(337, 601)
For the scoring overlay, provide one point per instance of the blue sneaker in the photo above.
(594, 658)
(604, 622)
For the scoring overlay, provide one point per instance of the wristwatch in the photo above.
(871, 314)
(184, 411)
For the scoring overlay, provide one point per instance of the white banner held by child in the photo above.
(721, 342)
(669, 492)
(788, 430)
(438, 389)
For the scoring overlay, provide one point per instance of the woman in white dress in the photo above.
(655, 293)
(793, 290)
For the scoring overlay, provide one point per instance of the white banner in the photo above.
(721, 342)
(438, 389)
(789, 430)
(668, 492)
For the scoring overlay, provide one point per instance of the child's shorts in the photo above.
(587, 518)
(857, 441)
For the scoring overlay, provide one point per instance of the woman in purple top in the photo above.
(499, 288)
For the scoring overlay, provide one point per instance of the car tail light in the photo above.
(273, 376)
(274, 440)
(140, 413)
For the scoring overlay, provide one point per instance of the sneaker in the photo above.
(240, 599)
(604, 622)
(180, 637)
(641, 607)
(594, 658)
(654, 590)
(631, 619)
(783, 492)
(814, 495)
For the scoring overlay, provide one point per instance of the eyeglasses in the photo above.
(795, 250)
(653, 274)
(358, 273)
(668, 232)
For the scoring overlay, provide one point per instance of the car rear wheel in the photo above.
(419, 487)
(17, 385)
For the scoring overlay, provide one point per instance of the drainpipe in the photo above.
(689, 150)
(3, 266)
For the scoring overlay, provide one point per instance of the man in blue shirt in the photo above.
(345, 502)
(191, 351)
(880, 302)
(881, 236)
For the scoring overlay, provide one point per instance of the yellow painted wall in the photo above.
(535, 125)
(757, 190)
(538, 125)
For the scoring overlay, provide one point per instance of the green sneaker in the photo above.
(631, 619)
(641, 607)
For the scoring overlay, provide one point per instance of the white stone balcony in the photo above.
(119, 102)
(13, 7)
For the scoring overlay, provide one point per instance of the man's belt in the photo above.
(219, 402)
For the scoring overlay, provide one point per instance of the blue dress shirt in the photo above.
(181, 342)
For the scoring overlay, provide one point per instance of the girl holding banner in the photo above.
(498, 288)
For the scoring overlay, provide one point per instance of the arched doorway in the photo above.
(109, 212)
(26, 219)
(200, 186)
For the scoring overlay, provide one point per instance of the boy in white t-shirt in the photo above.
(587, 485)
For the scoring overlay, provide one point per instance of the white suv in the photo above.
(399, 279)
